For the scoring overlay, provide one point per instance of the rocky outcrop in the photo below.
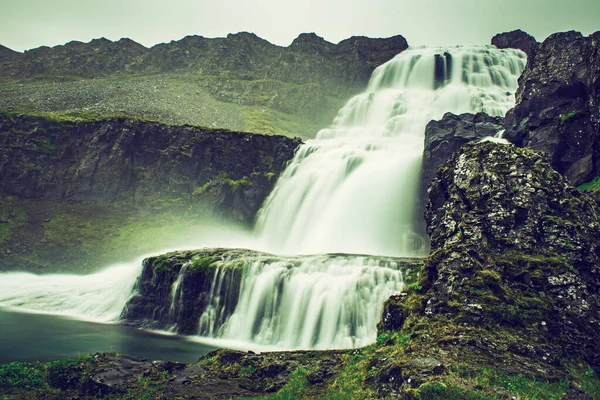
(138, 163)
(446, 136)
(558, 102)
(175, 289)
(516, 39)
(514, 273)
(7, 54)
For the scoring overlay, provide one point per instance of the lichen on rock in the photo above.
(513, 278)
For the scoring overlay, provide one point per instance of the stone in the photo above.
(516, 39)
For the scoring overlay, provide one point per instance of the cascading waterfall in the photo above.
(353, 189)
(321, 301)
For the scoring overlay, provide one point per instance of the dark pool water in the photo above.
(35, 337)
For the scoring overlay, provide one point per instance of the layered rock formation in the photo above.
(137, 162)
(81, 194)
(558, 102)
(176, 289)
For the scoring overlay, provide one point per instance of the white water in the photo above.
(354, 188)
(97, 297)
(317, 302)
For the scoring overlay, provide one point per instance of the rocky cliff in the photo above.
(516, 39)
(558, 103)
(240, 82)
(513, 278)
(57, 176)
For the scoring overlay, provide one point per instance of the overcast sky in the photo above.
(26, 24)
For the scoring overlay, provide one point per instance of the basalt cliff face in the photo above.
(69, 187)
(126, 160)
(240, 82)
(558, 102)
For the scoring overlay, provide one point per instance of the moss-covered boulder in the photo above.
(513, 280)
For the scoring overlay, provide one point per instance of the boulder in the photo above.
(444, 137)
(516, 39)
(514, 273)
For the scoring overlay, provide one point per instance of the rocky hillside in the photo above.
(67, 185)
(240, 82)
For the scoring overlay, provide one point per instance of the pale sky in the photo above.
(26, 24)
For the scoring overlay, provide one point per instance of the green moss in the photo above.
(591, 186)
(44, 380)
(445, 391)
(202, 263)
(570, 116)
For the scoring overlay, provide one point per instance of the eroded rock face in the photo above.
(516, 39)
(558, 102)
(514, 272)
(138, 162)
(174, 289)
(444, 137)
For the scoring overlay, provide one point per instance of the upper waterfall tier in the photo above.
(354, 188)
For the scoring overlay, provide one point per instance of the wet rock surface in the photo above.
(444, 137)
(515, 254)
(558, 103)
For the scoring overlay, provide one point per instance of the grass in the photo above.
(44, 380)
(259, 106)
(591, 186)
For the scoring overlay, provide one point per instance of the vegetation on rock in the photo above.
(77, 185)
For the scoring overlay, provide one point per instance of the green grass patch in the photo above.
(591, 186)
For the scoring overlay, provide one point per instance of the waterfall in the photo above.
(318, 301)
(354, 188)
(97, 297)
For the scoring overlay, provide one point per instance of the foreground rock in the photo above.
(558, 102)
(513, 279)
(222, 374)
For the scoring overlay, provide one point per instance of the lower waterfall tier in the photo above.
(308, 302)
